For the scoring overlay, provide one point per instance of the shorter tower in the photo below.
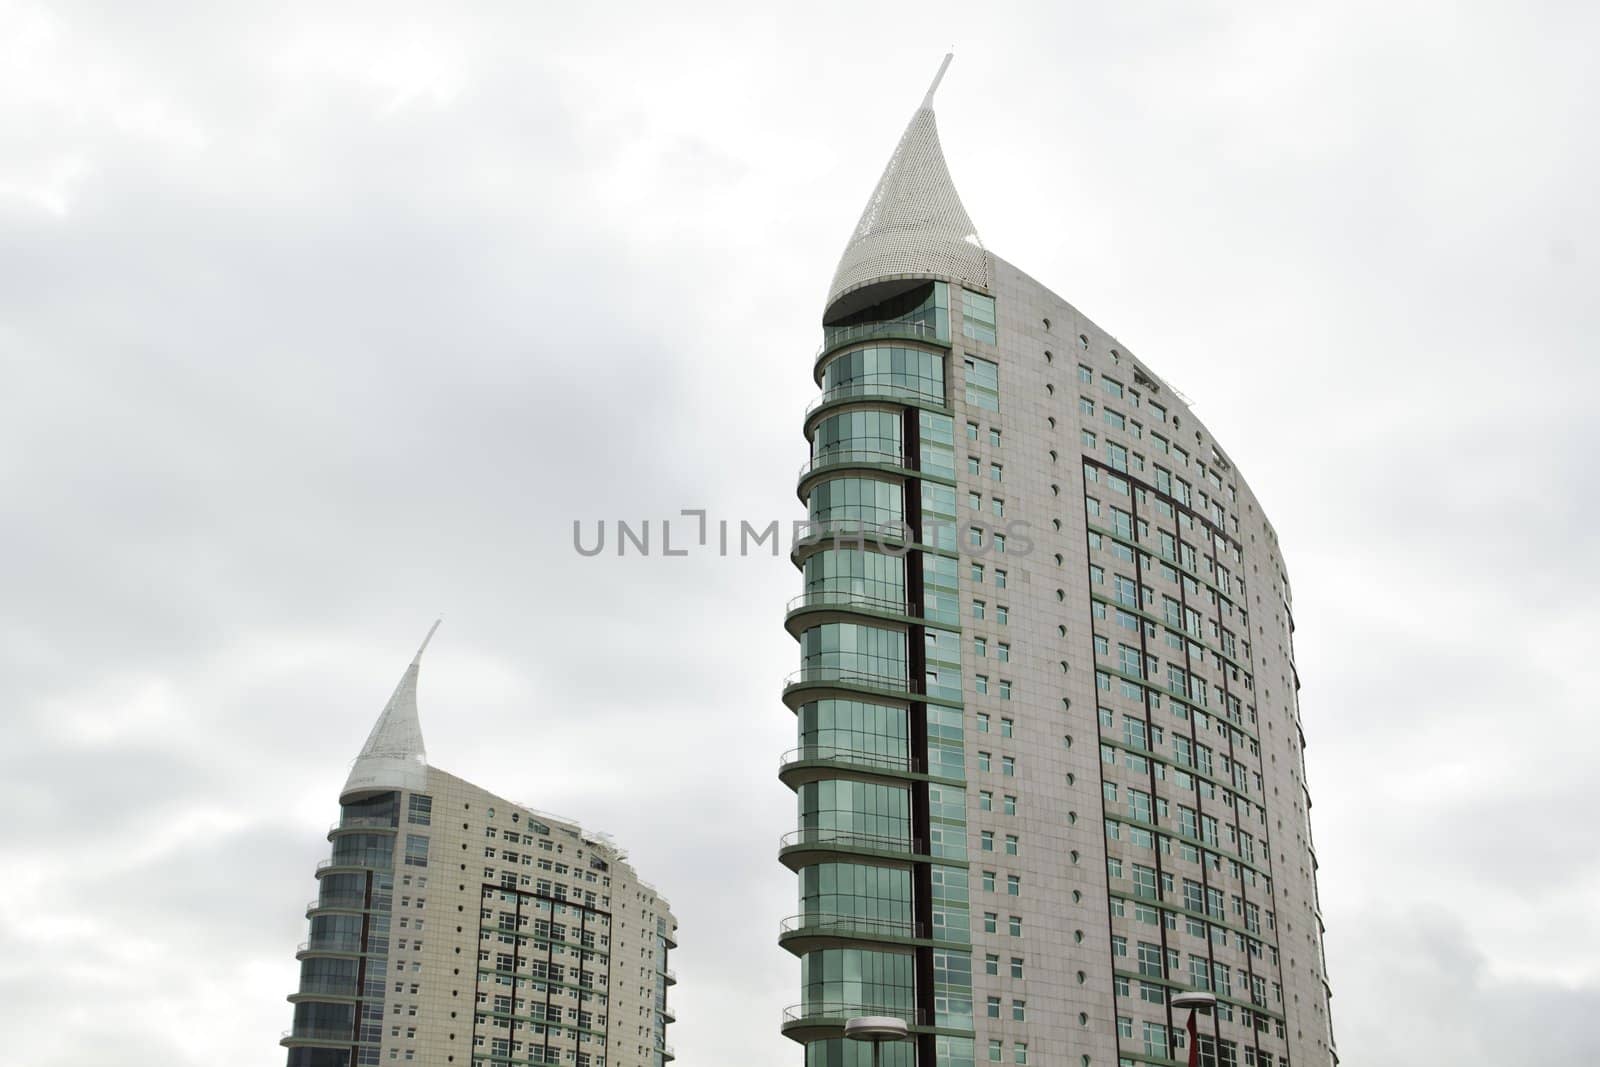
(453, 926)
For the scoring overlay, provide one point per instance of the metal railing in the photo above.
(848, 531)
(848, 598)
(855, 757)
(850, 676)
(876, 387)
(851, 924)
(366, 822)
(823, 835)
(849, 457)
(907, 329)
(338, 904)
(829, 1011)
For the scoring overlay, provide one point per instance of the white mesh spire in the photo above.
(394, 756)
(914, 223)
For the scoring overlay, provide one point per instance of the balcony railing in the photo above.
(854, 457)
(907, 329)
(337, 904)
(366, 822)
(845, 925)
(823, 835)
(855, 757)
(331, 944)
(319, 1033)
(848, 531)
(848, 598)
(851, 676)
(876, 388)
(827, 1011)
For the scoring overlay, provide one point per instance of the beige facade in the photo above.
(453, 926)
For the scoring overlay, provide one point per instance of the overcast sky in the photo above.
(319, 321)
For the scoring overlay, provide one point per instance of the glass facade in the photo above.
(906, 792)
(347, 951)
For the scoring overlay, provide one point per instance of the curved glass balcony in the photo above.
(871, 761)
(341, 1034)
(906, 329)
(875, 388)
(350, 946)
(849, 531)
(814, 844)
(337, 904)
(811, 1021)
(848, 598)
(854, 457)
(850, 926)
(850, 678)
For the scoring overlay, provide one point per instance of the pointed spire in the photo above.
(394, 756)
(914, 223)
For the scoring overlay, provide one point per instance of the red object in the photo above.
(1194, 1041)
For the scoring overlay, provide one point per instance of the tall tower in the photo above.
(1050, 763)
(453, 926)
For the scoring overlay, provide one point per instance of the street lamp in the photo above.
(876, 1029)
(1195, 1002)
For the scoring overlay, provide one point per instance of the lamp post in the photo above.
(876, 1029)
(1196, 1002)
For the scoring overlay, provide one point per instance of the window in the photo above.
(1016, 966)
(1008, 766)
(980, 648)
(1014, 927)
(988, 881)
(975, 501)
(986, 844)
(1010, 805)
(977, 316)
(977, 609)
(1019, 1050)
(981, 682)
(983, 761)
(1002, 614)
(1013, 885)
(985, 800)
(420, 810)
(999, 578)
(993, 1008)
(977, 574)
(991, 964)
(983, 383)
(1005, 724)
(997, 472)
(1011, 847)
(994, 1050)
(998, 506)
(972, 431)
(1003, 652)
(994, 437)
(991, 924)
(416, 850)
(1005, 689)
